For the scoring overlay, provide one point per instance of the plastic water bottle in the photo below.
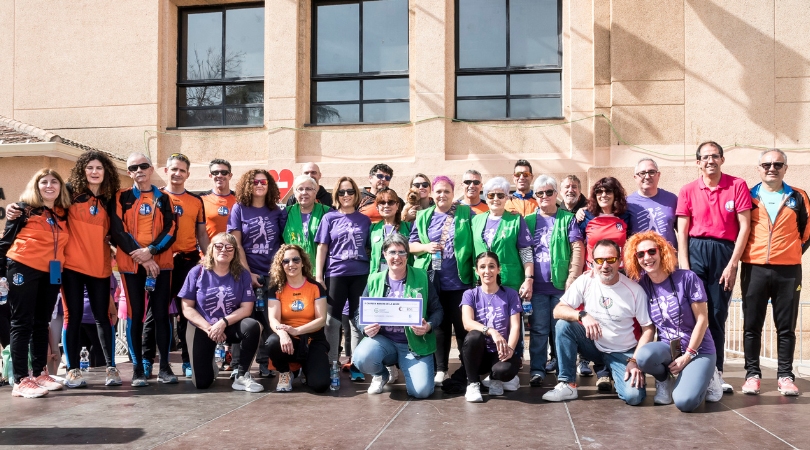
(84, 360)
(150, 283)
(260, 304)
(219, 353)
(527, 308)
(436, 261)
(3, 291)
(334, 376)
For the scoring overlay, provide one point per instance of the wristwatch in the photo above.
(582, 314)
(485, 329)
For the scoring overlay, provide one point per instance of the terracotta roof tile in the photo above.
(16, 132)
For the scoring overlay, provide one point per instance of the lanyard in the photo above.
(54, 230)
(677, 302)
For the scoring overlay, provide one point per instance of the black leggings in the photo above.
(450, 301)
(136, 306)
(316, 365)
(478, 360)
(98, 291)
(341, 290)
(201, 349)
(31, 298)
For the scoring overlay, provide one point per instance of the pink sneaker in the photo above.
(786, 386)
(751, 385)
(28, 388)
(45, 381)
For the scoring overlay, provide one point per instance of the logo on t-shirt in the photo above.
(50, 221)
(791, 203)
(606, 302)
(222, 210)
(93, 210)
(297, 305)
(730, 206)
(145, 210)
(619, 226)
(178, 210)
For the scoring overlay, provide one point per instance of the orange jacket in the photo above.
(783, 241)
(87, 250)
(142, 219)
(35, 238)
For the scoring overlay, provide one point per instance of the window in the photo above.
(360, 62)
(220, 74)
(508, 59)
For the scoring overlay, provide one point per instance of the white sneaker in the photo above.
(663, 391)
(486, 382)
(284, 382)
(714, 393)
(439, 378)
(246, 383)
(377, 383)
(496, 387)
(562, 391)
(393, 374)
(512, 385)
(113, 377)
(726, 387)
(74, 379)
(473, 394)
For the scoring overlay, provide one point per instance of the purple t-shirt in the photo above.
(491, 228)
(448, 276)
(671, 314)
(656, 213)
(347, 238)
(305, 223)
(493, 310)
(216, 296)
(542, 255)
(396, 334)
(261, 234)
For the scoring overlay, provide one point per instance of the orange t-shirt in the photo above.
(298, 305)
(35, 246)
(217, 209)
(190, 212)
(87, 250)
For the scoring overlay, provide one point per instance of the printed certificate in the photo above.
(396, 312)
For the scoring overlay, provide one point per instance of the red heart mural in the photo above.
(284, 180)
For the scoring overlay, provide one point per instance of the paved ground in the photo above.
(182, 417)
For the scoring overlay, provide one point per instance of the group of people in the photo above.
(636, 284)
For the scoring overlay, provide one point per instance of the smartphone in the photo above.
(675, 349)
(55, 270)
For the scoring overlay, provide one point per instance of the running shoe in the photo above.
(604, 384)
(512, 385)
(787, 387)
(356, 374)
(393, 374)
(726, 387)
(167, 376)
(187, 369)
(562, 391)
(45, 381)
(486, 382)
(74, 379)
(551, 365)
(663, 391)
(28, 388)
(147, 369)
(584, 368)
(113, 377)
(265, 371)
(439, 378)
(536, 380)
(752, 385)
(496, 387)
(246, 383)
(473, 394)
(138, 377)
(284, 382)
(714, 393)
(378, 382)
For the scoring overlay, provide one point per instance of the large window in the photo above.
(508, 59)
(360, 62)
(220, 74)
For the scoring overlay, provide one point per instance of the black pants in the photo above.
(780, 285)
(98, 291)
(31, 298)
(450, 301)
(315, 366)
(478, 360)
(344, 289)
(201, 349)
(708, 258)
(136, 307)
(183, 263)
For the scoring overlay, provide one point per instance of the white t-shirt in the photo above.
(614, 307)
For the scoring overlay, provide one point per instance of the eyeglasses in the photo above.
(775, 165)
(611, 260)
(712, 156)
(226, 247)
(492, 195)
(304, 189)
(224, 173)
(472, 182)
(602, 191)
(294, 260)
(547, 193)
(651, 252)
(423, 184)
(523, 174)
(393, 253)
(649, 173)
(258, 182)
(386, 203)
(135, 167)
(346, 192)
(382, 176)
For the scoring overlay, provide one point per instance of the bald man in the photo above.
(312, 170)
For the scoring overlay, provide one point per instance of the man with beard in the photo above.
(572, 198)
(379, 178)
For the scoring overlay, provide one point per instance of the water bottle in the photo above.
(84, 360)
(527, 308)
(3, 291)
(219, 353)
(260, 304)
(334, 376)
(150, 283)
(436, 261)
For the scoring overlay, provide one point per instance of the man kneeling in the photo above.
(603, 331)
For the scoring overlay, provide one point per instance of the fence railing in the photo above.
(769, 350)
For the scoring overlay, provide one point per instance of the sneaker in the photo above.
(28, 388)
(247, 383)
(139, 380)
(187, 369)
(726, 387)
(74, 379)
(378, 382)
(473, 394)
(512, 385)
(356, 374)
(167, 376)
(393, 374)
(439, 378)
(551, 365)
(496, 387)
(264, 371)
(536, 380)
(714, 393)
(751, 385)
(787, 387)
(113, 377)
(584, 368)
(663, 391)
(486, 382)
(45, 381)
(604, 384)
(562, 391)
(147, 369)
(234, 374)
(284, 382)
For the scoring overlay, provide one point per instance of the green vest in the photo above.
(294, 230)
(416, 286)
(376, 237)
(559, 247)
(462, 242)
(504, 244)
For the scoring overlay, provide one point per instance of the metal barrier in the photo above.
(768, 352)
(121, 338)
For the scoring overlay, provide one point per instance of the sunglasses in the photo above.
(523, 174)
(492, 195)
(386, 203)
(226, 247)
(393, 253)
(382, 176)
(179, 156)
(547, 193)
(224, 173)
(649, 173)
(603, 191)
(651, 252)
(258, 182)
(423, 184)
(775, 165)
(345, 192)
(142, 166)
(611, 260)
(472, 182)
(294, 260)
(712, 156)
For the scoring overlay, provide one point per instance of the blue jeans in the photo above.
(571, 338)
(691, 384)
(373, 354)
(540, 325)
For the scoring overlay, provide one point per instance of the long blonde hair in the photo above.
(277, 274)
(235, 266)
(33, 197)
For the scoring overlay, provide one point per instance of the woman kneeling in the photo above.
(217, 301)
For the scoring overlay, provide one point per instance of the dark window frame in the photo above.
(508, 71)
(360, 76)
(223, 82)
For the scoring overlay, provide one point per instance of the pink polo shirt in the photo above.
(713, 213)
